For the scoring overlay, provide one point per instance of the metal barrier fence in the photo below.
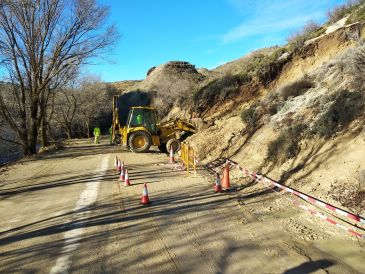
(188, 158)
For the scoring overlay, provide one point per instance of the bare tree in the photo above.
(94, 100)
(41, 43)
(65, 109)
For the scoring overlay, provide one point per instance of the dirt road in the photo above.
(66, 212)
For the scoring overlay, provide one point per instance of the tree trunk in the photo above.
(88, 128)
(44, 127)
(33, 130)
(33, 136)
(68, 131)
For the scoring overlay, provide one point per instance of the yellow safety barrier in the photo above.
(188, 158)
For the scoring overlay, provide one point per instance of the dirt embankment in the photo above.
(323, 167)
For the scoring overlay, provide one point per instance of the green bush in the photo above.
(296, 88)
(250, 116)
(286, 146)
(219, 90)
(346, 107)
(266, 67)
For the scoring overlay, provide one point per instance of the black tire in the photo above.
(162, 148)
(139, 141)
(175, 144)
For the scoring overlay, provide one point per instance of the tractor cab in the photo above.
(143, 117)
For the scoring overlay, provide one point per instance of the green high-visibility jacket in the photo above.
(97, 131)
(139, 119)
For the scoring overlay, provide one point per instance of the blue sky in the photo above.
(206, 33)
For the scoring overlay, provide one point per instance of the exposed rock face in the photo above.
(150, 70)
(181, 66)
(182, 70)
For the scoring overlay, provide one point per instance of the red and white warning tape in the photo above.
(261, 178)
(322, 216)
(308, 198)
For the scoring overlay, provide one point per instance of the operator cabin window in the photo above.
(137, 119)
(145, 118)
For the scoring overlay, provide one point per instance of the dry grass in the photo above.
(346, 107)
(251, 116)
(296, 88)
(286, 146)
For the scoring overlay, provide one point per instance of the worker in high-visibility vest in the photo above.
(97, 134)
(139, 119)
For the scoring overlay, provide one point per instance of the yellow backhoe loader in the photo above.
(141, 129)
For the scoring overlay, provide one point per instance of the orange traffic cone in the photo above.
(172, 159)
(226, 184)
(126, 179)
(122, 175)
(119, 166)
(145, 200)
(217, 186)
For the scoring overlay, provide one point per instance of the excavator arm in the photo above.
(175, 129)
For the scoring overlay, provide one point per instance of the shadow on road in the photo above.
(309, 267)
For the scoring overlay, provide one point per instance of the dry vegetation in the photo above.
(345, 108)
(353, 8)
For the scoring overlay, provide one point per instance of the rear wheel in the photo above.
(140, 141)
(175, 144)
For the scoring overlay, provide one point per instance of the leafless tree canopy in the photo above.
(79, 106)
(42, 45)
